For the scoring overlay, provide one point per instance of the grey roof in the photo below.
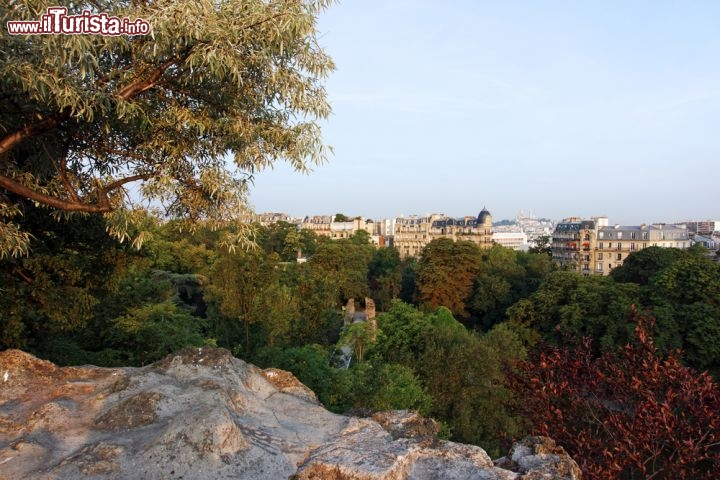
(463, 222)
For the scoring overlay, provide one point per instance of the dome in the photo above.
(484, 217)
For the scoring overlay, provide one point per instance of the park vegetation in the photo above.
(492, 343)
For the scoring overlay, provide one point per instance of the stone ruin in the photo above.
(364, 312)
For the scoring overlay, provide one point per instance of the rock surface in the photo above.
(203, 414)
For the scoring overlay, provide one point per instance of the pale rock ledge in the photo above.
(203, 414)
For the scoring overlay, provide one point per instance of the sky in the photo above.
(562, 108)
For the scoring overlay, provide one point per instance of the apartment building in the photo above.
(593, 247)
(705, 228)
(326, 226)
(411, 234)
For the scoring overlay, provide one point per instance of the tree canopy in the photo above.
(628, 413)
(218, 90)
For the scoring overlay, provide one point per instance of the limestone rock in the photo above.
(540, 458)
(203, 414)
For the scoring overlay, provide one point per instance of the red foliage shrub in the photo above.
(628, 414)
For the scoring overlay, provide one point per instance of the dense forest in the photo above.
(492, 343)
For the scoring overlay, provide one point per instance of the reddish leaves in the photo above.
(627, 414)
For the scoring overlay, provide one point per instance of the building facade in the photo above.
(326, 226)
(592, 247)
(411, 234)
(705, 228)
(515, 239)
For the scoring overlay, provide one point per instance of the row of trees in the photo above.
(679, 288)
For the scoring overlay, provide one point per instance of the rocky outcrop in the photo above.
(203, 414)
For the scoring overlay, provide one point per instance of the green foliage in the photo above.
(543, 246)
(151, 332)
(401, 327)
(83, 116)
(385, 277)
(359, 337)
(641, 267)
(310, 364)
(243, 291)
(286, 240)
(378, 386)
(360, 237)
(369, 385)
(57, 288)
(319, 319)
(460, 370)
(680, 287)
(571, 305)
(395, 387)
(344, 265)
(445, 274)
(505, 276)
(408, 279)
(463, 373)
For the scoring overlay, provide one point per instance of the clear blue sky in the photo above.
(563, 107)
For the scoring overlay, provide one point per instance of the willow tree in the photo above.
(180, 118)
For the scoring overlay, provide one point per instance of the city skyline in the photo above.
(565, 109)
(527, 214)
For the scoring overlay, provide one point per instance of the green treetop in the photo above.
(219, 90)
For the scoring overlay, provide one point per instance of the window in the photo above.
(600, 256)
(619, 235)
(619, 245)
(599, 267)
(644, 235)
(609, 266)
(619, 256)
(587, 237)
(600, 246)
(601, 235)
(632, 246)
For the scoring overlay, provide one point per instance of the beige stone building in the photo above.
(411, 234)
(592, 247)
(269, 218)
(326, 226)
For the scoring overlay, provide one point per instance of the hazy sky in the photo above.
(560, 107)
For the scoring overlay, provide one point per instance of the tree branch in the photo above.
(265, 20)
(102, 206)
(69, 206)
(62, 171)
(12, 140)
(138, 86)
(22, 275)
(122, 153)
(119, 183)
